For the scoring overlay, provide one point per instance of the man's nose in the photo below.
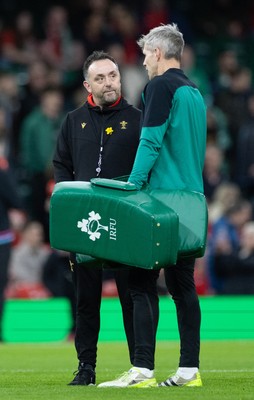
(108, 81)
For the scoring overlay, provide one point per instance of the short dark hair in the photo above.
(96, 56)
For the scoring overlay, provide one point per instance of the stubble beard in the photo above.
(109, 99)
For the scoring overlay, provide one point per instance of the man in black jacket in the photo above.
(99, 139)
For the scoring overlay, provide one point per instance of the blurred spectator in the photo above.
(235, 267)
(225, 196)
(37, 82)
(213, 172)
(232, 37)
(39, 77)
(9, 199)
(227, 65)
(155, 13)
(233, 102)
(132, 75)
(98, 6)
(225, 237)
(126, 52)
(37, 143)
(56, 277)
(59, 49)
(124, 22)
(20, 43)
(96, 33)
(245, 153)
(26, 264)
(217, 128)
(29, 97)
(196, 74)
(4, 133)
(10, 102)
(80, 8)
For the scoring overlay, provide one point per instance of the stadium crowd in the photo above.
(42, 50)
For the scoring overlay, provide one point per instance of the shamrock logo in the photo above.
(91, 226)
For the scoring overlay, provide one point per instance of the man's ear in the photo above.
(87, 86)
(158, 53)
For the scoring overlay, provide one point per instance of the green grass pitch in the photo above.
(42, 371)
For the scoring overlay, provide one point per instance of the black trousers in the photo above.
(143, 288)
(88, 288)
(137, 290)
(180, 283)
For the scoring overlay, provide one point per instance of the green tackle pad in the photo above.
(191, 208)
(113, 222)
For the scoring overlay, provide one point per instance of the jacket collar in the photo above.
(91, 102)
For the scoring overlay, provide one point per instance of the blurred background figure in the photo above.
(195, 73)
(225, 237)
(95, 32)
(20, 44)
(217, 128)
(213, 173)
(38, 74)
(58, 47)
(4, 133)
(9, 200)
(26, 264)
(10, 104)
(37, 143)
(245, 153)
(225, 196)
(125, 25)
(155, 13)
(132, 75)
(236, 266)
(226, 67)
(233, 101)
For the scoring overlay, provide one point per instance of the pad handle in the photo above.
(113, 184)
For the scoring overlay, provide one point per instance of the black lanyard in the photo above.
(102, 141)
(98, 169)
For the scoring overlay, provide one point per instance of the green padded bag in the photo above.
(110, 220)
(191, 208)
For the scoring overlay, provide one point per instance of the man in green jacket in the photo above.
(170, 156)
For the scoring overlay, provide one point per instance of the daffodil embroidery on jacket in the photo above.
(109, 130)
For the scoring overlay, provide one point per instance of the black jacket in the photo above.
(88, 134)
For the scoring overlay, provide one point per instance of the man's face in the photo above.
(150, 62)
(103, 82)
